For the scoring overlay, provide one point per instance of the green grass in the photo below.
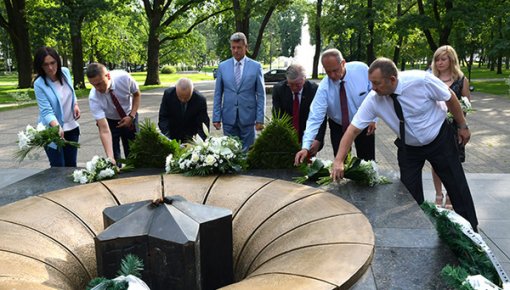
(170, 79)
(495, 84)
(485, 73)
(500, 88)
(10, 94)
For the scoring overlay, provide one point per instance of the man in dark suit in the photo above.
(182, 112)
(293, 97)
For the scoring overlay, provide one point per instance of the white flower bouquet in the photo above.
(98, 168)
(358, 170)
(210, 156)
(39, 137)
(465, 105)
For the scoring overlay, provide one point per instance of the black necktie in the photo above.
(184, 106)
(400, 115)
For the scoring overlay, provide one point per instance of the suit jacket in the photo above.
(283, 103)
(48, 99)
(175, 124)
(249, 98)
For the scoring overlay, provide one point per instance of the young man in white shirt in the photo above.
(114, 101)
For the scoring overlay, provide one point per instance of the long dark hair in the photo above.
(39, 56)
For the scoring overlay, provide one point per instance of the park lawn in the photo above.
(485, 73)
(500, 88)
(170, 79)
(10, 94)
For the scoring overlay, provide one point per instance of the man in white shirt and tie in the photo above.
(338, 106)
(425, 134)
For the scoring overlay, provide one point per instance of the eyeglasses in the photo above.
(51, 63)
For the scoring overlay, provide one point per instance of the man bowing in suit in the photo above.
(239, 95)
(183, 112)
(293, 97)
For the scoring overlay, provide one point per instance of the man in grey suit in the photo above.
(239, 95)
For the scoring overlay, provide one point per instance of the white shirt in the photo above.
(327, 99)
(66, 101)
(421, 96)
(123, 86)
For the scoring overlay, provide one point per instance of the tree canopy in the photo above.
(134, 34)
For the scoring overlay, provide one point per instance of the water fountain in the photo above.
(304, 52)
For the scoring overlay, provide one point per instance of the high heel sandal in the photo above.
(446, 202)
(439, 200)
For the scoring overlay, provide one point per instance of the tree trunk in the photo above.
(153, 54)
(499, 70)
(318, 41)
(370, 22)
(396, 51)
(77, 45)
(17, 28)
(263, 25)
(428, 35)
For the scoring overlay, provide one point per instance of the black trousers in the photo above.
(124, 134)
(365, 145)
(442, 153)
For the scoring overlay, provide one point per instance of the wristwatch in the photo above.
(465, 126)
(132, 118)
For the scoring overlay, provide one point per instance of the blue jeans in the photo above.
(66, 156)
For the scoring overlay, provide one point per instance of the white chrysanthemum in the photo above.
(106, 173)
(90, 166)
(30, 132)
(195, 157)
(327, 163)
(23, 140)
(80, 176)
(95, 159)
(465, 103)
(168, 163)
(40, 127)
(77, 174)
(29, 128)
(209, 160)
(84, 179)
(226, 151)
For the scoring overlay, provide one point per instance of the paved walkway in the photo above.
(487, 165)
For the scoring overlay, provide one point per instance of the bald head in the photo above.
(184, 89)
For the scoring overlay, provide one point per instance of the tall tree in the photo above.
(433, 18)
(371, 24)
(161, 14)
(17, 28)
(246, 10)
(318, 40)
(290, 22)
(77, 12)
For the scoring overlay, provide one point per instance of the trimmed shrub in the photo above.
(276, 146)
(168, 69)
(150, 148)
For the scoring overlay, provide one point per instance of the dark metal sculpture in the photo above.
(183, 245)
